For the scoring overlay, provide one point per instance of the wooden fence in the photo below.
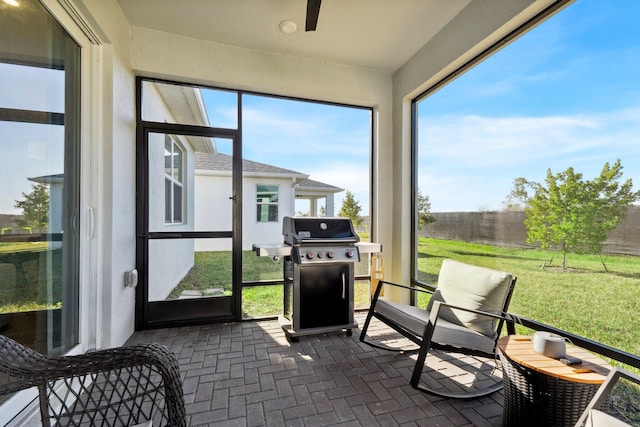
(504, 228)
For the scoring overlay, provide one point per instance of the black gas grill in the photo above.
(319, 275)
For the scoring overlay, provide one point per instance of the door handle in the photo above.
(344, 286)
(91, 222)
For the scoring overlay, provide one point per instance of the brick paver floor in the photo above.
(249, 374)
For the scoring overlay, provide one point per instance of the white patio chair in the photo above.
(594, 414)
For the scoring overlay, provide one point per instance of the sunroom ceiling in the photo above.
(374, 34)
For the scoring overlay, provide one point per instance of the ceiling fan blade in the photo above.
(313, 10)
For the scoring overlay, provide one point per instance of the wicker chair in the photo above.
(121, 386)
(464, 316)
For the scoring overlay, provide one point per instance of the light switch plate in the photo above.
(131, 278)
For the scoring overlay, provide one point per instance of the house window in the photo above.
(267, 200)
(173, 181)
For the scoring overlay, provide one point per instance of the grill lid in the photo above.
(318, 230)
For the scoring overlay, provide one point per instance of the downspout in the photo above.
(293, 195)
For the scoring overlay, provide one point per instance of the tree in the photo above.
(35, 208)
(351, 209)
(424, 211)
(574, 214)
(520, 196)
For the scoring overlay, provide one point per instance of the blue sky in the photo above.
(329, 143)
(27, 150)
(565, 94)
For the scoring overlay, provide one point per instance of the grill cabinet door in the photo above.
(325, 292)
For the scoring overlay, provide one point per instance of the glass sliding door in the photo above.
(39, 194)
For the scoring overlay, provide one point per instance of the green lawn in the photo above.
(586, 299)
(213, 270)
(31, 277)
(258, 301)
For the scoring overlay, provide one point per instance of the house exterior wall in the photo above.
(55, 207)
(265, 232)
(213, 209)
(169, 260)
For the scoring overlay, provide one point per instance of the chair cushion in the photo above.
(601, 419)
(472, 287)
(415, 319)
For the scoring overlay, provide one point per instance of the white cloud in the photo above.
(352, 176)
(275, 134)
(330, 144)
(471, 160)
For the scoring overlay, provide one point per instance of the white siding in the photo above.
(265, 232)
(213, 209)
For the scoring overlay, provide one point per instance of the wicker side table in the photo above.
(541, 391)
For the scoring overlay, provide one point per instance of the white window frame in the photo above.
(174, 181)
(261, 203)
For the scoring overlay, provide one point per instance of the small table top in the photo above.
(519, 348)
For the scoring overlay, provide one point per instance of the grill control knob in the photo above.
(349, 254)
(310, 255)
(320, 255)
(331, 254)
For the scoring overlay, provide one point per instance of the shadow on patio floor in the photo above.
(248, 374)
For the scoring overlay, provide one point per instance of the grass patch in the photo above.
(12, 247)
(625, 402)
(212, 270)
(586, 299)
(258, 301)
(28, 306)
(30, 276)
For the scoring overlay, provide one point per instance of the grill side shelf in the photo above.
(281, 249)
